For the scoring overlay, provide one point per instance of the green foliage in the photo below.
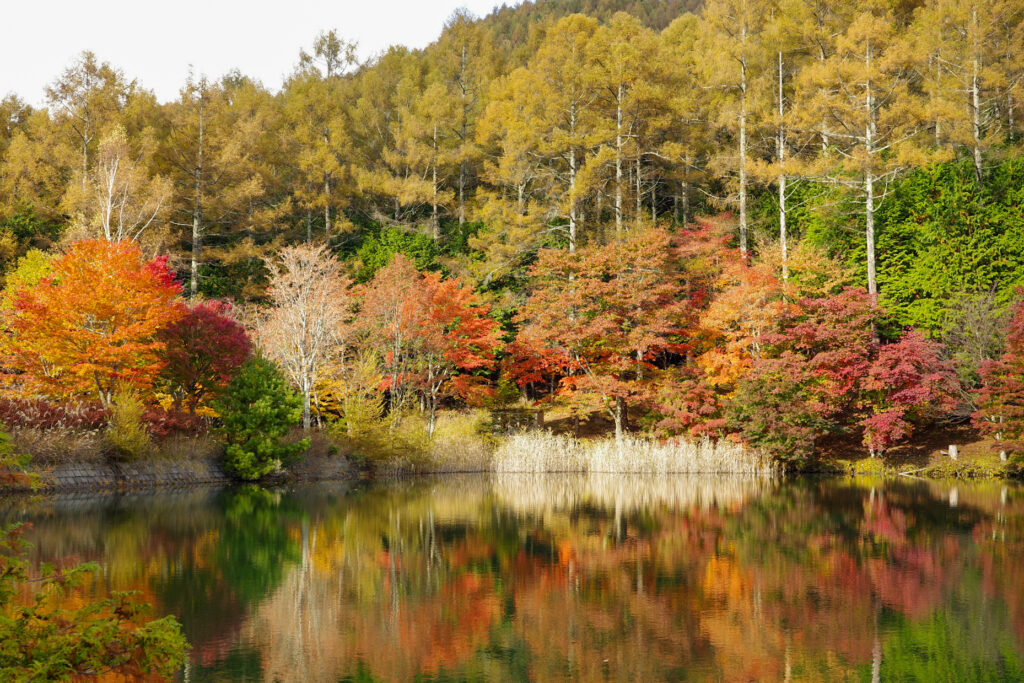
(126, 433)
(257, 411)
(380, 246)
(232, 280)
(944, 236)
(28, 272)
(40, 640)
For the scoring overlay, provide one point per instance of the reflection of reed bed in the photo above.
(548, 452)
(533, 493)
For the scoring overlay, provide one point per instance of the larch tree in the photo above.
(515, 210)
(567, 129)
(623, 54)
(314, 110)
(969, 76)
(462, 60)
(863, 93)
(87, 98)
(306, 326)
(208, 152)
(733, 38)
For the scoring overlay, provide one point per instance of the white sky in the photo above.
(155, 42)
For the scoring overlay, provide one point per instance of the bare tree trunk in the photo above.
(306, 412)
(639, 194)
(620, 413)
(618, 165)
(743, 153)
(976, 120)
(686, 202)
(462, 155)
(869, 183)
(781, 154)
(869, 210)
(434, 222)
(197, 218)
(572, 182)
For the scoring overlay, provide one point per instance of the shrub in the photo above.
(45, 639)
(204, 350)
(126, 433)
(257, 411)
(164, 423)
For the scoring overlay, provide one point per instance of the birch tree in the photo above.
(126, 200)
(732, 43)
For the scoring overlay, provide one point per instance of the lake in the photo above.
(565, 577)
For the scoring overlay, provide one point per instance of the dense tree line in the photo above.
(550, 171)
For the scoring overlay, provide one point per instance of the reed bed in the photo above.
(537, 452)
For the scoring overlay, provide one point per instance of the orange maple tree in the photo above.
(92, 324)
(607, 315)
(434, 335)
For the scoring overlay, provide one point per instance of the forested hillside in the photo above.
(768, 218)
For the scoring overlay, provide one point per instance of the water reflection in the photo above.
(534, 577)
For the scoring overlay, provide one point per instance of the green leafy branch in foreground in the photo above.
(43, 637)
(41, 640)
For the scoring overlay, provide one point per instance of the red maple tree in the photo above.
(204, 349)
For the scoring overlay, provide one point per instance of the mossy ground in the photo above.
(925, 455)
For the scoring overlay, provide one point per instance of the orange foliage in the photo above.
(92, 324)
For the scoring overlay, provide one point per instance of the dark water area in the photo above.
(557, 578)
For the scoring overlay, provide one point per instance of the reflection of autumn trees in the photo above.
(574, 578)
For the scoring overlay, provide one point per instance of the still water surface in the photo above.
(553, 577)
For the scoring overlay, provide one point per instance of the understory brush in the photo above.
(460, 441)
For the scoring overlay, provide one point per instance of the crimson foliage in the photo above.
(204, 350)
(821, 372)
(1001, 404)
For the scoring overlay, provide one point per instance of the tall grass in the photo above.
(547, 452)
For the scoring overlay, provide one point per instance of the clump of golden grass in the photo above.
(55, 445)
(547, 452)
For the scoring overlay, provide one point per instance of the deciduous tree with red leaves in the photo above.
(93, 323)
(434, 335)
(1001, 398)
(205, 348)
(822, 370)
(608, 312)
(458, 340)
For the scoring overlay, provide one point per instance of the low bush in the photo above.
(56, 445)
(460, 443)
(127, 434)
(162, 424)
(42, 414)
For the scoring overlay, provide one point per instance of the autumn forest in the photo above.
(621, 239)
